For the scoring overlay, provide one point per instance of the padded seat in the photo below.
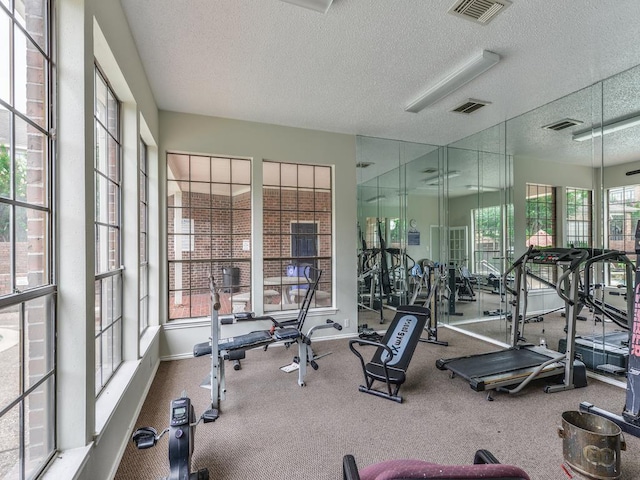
(287, 334)
(485, 466)
(246, 341)
(414, 469)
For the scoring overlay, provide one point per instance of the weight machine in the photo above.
(288, 332)
(432, 279)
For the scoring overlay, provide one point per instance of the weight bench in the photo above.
(393, 355)
(234, 348)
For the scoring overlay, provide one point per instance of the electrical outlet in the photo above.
(346, 323)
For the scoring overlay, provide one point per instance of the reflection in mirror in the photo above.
(392, 188)
(565, 175)
(479, 206)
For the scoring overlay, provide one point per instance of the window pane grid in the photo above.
(297, 232)
(143, 270)
(541, 226)
(108, 240)
(487, 235)
(26, 281)
(209, 231)
(579, 214)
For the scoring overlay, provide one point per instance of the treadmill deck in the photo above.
(502, 368)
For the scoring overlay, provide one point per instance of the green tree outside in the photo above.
(5, 191)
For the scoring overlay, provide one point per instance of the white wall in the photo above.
(218, 136)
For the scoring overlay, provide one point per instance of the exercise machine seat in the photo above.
(414, 469)
(393, 353)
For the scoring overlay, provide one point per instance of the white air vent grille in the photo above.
(470, 106)
(363, 164)
(479, 11)
(562, 124)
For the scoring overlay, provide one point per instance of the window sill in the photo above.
(110, 397)
(67, 464)
(147, 338)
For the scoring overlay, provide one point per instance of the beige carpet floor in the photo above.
(270, 428)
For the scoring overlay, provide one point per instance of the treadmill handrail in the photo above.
(620, 257)
(612, 255)
(520, 261)
(575, 263)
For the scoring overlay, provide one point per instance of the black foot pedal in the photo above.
(145, 437)
(210, 415)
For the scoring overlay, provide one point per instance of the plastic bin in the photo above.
(230, 279)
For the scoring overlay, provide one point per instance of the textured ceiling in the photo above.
(354, 69)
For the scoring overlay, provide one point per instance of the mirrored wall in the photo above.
(565, 175)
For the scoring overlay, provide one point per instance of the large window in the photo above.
(209, 233)
(143, 232)
(579, 213)
(624, 213)
(27, 288)
(541, 215)
(487, 240)
(108, 262)
(297, 222)
(541, 229)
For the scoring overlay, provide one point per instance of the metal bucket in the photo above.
(591, 444)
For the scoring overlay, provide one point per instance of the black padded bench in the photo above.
(394, 352)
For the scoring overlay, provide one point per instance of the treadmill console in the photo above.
(554, 256)
(179, 412)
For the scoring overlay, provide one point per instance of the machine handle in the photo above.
(575, 263)
(215, 296)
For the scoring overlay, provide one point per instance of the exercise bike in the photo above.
(181, 430)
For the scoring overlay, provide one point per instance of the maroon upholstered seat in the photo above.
(414, 469)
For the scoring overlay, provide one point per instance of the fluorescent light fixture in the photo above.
(376, 198)
(321, 6)
(597, 130)
(438, 178)
(481, 188)
(457, 79)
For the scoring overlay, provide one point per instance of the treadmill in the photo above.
(512, 369)
(607, 352)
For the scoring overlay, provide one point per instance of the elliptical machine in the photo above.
(182, 428)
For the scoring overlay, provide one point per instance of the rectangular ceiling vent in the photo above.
(562, 124)
(363, 164)
(470, 106)
(479, 11)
